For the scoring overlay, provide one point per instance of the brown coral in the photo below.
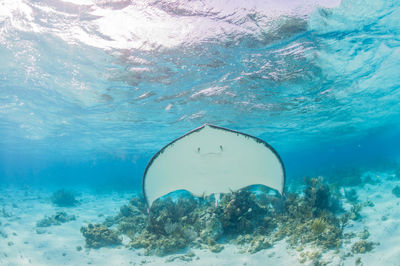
(98, 235)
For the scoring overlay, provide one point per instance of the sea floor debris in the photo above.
(314, 218)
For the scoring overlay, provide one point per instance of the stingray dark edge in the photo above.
(216, 127)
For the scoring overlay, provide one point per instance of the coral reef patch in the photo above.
(97, 235)
(252, 220)
(63, 198)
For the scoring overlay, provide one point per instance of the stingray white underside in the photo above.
(212, 159)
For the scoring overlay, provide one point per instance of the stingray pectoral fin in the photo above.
(196, 162)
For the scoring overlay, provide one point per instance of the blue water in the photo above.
(89, 91)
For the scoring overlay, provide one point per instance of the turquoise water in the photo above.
(90, 90)
(81, 102)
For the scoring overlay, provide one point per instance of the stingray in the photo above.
(212, 160)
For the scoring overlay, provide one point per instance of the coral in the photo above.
(63, 198)
(318, 226)
(170, 227)
(244, 219)
(98, 235)
(190, 233)
(132, 226)
(243, 239)
(311, 255)
(311, 218)
(216, 248)
(355, 211)
(211, 227)
(351, 195)
(139, 203)
(362, 246)
(158, 245)
(317, 196)
(364, 234)
(166, 211)
(254, 221)
(239, 212)
(109, 221)
(56, 219)
(259, 243)
(132, 218)
(396, 191)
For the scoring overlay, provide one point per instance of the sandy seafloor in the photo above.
(20, 244)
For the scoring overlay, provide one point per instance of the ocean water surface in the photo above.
(90, 90)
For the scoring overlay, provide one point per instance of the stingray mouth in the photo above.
(215, 151)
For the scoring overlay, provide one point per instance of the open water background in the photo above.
(90, 89)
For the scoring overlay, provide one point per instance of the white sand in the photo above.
(57, 245)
